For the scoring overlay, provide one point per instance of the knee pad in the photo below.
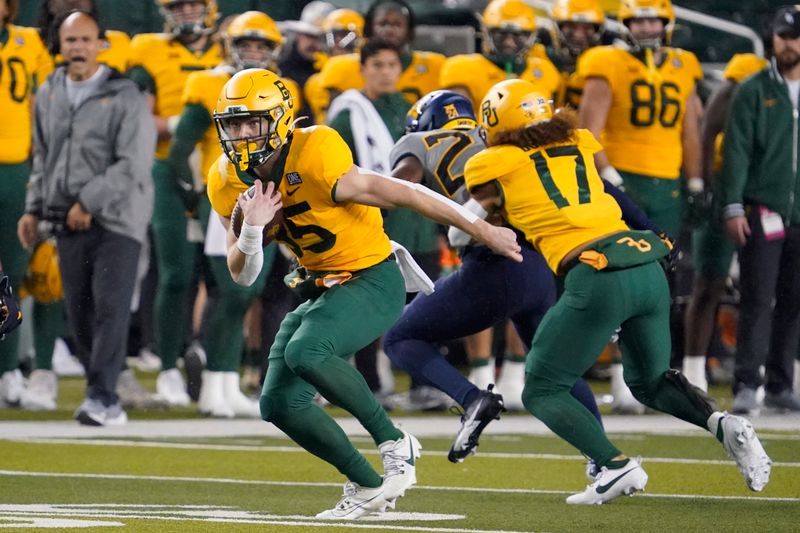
(304, 354)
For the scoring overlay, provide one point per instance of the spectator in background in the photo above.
(160, 64)
(757, 194)
(93, 178)
(116, 46)
(31, 65)
(303, 52)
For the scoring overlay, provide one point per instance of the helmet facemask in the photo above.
(653, 40)
(500, 43)
(248, 138)
(187, 29)
(342, 41)
(242, 59)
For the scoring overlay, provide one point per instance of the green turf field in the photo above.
(246, 482)
(515, 483)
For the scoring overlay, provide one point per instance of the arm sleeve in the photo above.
(143, 79)
(34, 197)
(738, 147)
(192, 125)
(595, 63)
(631, 214)
(335, 162)
(134, 149)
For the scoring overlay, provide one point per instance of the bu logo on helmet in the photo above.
(489, 114)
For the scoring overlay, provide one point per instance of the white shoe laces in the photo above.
(394, 459)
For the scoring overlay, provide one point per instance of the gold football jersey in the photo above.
(203, 88)
(477, 74)
(322, 233)
(169, 63)
(553, 194)
(645, 122)
(24, 65)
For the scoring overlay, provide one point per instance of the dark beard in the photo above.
(787, 60)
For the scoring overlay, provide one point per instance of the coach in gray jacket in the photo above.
(94, 140)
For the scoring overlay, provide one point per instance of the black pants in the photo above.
(98, 268)
(767, 335)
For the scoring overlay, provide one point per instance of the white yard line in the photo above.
(426, 426)
(19, 473)
(369, 451)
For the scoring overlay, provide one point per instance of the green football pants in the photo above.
(222, 335)
(575, 330)
(659, 198)
(309, 354)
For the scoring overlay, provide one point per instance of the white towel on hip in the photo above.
(416, 279)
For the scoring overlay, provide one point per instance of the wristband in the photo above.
(695, 185)
(250, 237)
(611, 175)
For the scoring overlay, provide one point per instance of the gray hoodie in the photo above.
(99, 154)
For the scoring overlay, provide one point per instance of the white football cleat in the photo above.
(63, 362)
(740, 441)
(356, 502)
(241, 405)
(212, 396)
(12, 385)
(612, 483)
(399, 465)
(41, 391)
(170, 387)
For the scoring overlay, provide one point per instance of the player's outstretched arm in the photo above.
(363, 187)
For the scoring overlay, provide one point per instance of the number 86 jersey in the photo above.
(645, 122)
(322, 233)
(553, 194)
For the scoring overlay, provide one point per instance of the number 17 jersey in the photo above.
(552, 194)
(643, 131)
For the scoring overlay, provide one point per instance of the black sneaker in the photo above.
(484, 409)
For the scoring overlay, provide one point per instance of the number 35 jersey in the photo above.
(553, 194)
(322, 233)
(645, 122)
(444, 154)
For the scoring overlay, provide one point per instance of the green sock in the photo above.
(570, 420)
(342, 385)
(514, 358)
(478, 363)
(49, 323)
(612, 465)
(313, 429)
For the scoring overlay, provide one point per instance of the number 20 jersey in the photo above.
(645, 122)
(552, 194)
(444, 154)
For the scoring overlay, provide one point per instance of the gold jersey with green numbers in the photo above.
(322, 233)
(552, 194)
(477, 74)
(643, 131)
(169, 63)
(115, 52)
(24, 65)
(203, 89)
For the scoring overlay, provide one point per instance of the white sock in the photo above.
(617, 381)
(694, 368)
(482, 376)
(713, 422)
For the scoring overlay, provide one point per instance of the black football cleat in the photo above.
(484, 409)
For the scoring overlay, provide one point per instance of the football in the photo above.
(270, 230)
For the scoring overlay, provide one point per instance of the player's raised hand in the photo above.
(260, 209)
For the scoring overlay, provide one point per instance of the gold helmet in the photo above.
(568, 14)
(203, 26)
(256, 26)
(42, 281)
(343, 29)
(502, 17)
(511, 105)
(656, 9)
(588, 11)
(254, 117)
